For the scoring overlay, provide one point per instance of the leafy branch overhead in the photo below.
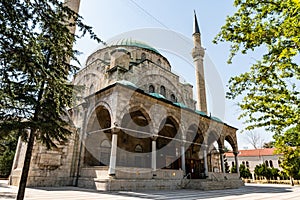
(35, 49)
(270, 90)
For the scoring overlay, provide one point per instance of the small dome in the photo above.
(131, 42)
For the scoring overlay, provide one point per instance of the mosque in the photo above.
(138, 127)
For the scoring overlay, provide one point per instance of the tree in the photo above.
(7, 151)
(269, 90)
(233, 169)
(244, 171)
(254, 139)
(288, 145)
(263, 170)
(36, 47)
(270, 144)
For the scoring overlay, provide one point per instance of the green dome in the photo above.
(131, 42)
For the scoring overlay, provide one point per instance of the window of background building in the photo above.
(271, 163)
(267, 163)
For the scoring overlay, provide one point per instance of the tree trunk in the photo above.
(23, 180)
(292, 182)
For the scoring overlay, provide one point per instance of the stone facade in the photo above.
(137, 127)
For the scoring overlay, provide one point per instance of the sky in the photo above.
(167, 25)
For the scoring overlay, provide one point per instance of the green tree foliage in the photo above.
(269, 89)
(7, 151)
(244, 171)
(288, 145)
(226, 165)
(270, 144)
(268, 172)
(233, 169)
(35, 50)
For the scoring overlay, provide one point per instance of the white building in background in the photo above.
(252, 157)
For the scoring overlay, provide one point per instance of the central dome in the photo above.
(131, 42)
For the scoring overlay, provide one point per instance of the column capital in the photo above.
(154, 137)
(115, 129)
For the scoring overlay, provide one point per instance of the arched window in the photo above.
(91, 89)
(138, 148)
(247, 164)
(163, 90)
(159, 62)
(173, 98)
(143, 56)
(267, 163)
(243, 162)
(271, 163)
(105, 144)
(232, 164)
(151, 89)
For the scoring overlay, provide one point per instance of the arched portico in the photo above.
(168, 144)
(98, 137)
(194, 155)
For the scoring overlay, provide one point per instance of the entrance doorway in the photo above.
(195, 168)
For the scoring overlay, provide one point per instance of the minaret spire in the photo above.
(198, 57)
(196, 26)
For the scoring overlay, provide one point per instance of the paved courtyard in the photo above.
(249, 192)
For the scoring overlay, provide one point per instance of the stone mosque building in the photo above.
(138, 127)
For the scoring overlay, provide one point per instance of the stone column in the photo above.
(153, 155)
(205, 161)
(183, 158)
(222, 160)
(236, 162)
(113, 153)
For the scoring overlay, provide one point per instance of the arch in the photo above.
(267, 163)
(163, 90)
(97, 142)
(92, 89)
(194, 157)
(105, 143)
(143, 56)
(159, 62)
(138, 148)
(151, 88)
(168, 144)
(149, 77)
(134, 140)
(173, 98)
(271, 163)
(99, 119)
(211, 138)
(232, 142)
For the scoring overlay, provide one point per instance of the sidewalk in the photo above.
(249, 192)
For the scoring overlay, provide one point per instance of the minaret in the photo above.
(73, 5)
(198, 57)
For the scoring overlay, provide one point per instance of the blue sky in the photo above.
(110, 18)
